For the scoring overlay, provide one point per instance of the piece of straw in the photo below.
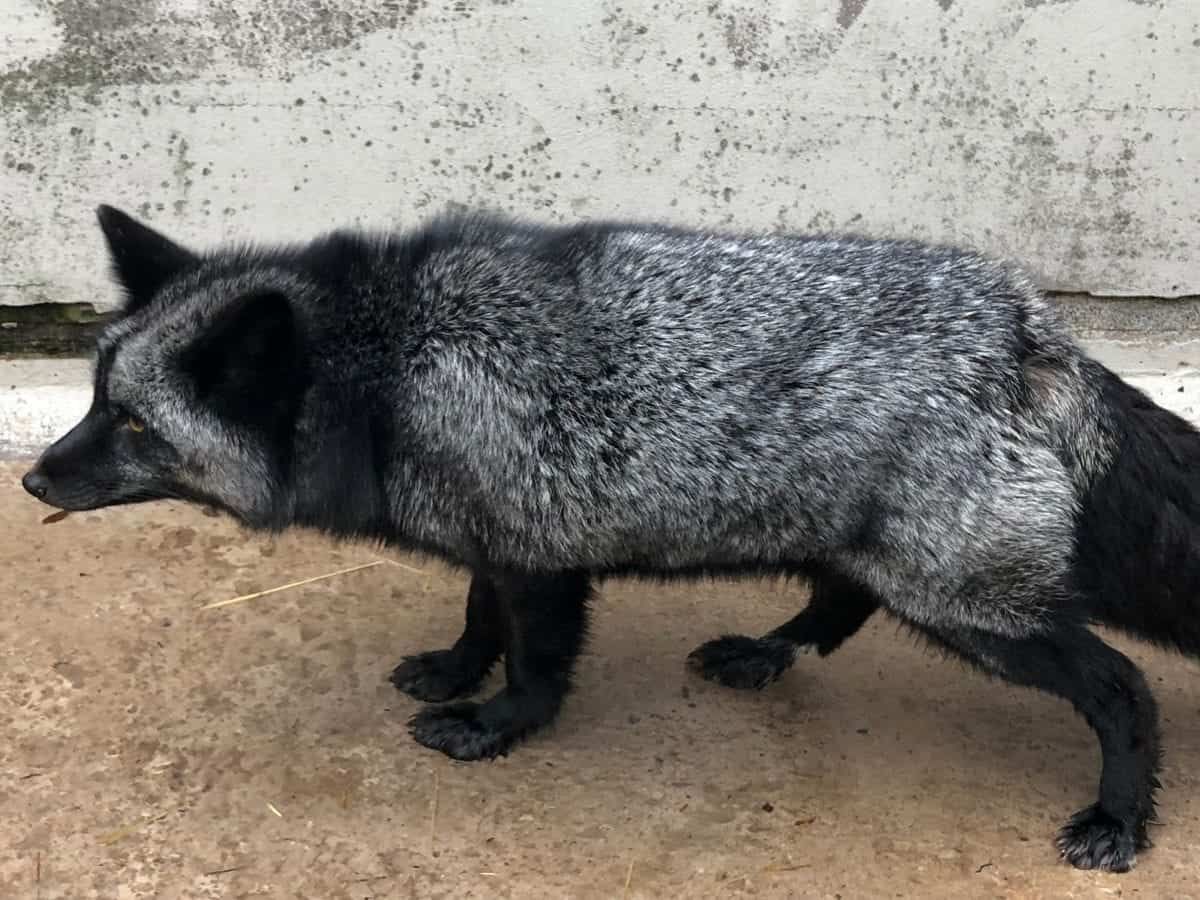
(400, 565)
(301, 583)
(294, 584)
(118, 834)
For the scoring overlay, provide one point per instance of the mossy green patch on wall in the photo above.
(50, 329)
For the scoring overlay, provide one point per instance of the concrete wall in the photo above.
(1064, 133)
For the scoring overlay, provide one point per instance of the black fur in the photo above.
(1139, 530)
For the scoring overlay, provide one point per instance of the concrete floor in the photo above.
(154, 749)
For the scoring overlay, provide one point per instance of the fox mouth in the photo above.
(63, 497)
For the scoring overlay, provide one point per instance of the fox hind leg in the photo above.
(838, 608)
(1111, 694)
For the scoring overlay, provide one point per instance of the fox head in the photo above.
(197, 386)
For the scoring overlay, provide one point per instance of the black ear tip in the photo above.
(110, 216)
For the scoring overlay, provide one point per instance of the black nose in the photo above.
(36, 483)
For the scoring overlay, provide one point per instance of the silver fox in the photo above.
(907, 426)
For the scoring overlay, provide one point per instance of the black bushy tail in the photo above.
(1139, 531)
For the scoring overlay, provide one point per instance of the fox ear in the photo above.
(142, 259)
(248, 355)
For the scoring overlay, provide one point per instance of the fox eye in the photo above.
(133, 423)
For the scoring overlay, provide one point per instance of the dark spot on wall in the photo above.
(945, 4)
(849, 11)
(744, 38)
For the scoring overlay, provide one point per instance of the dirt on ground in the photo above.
(154, 748)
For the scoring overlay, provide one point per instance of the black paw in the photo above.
(435, 677)
(460, 732)
(743, 662)
(1095, 839)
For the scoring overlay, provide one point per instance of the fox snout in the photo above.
(36, 483)
(81, 470)
(66, 491)
(57, 492)
(65, 476)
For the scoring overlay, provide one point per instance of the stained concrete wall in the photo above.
(1064, 133)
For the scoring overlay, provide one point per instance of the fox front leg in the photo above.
(441, 675)
(838, 608)
(544, 620)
